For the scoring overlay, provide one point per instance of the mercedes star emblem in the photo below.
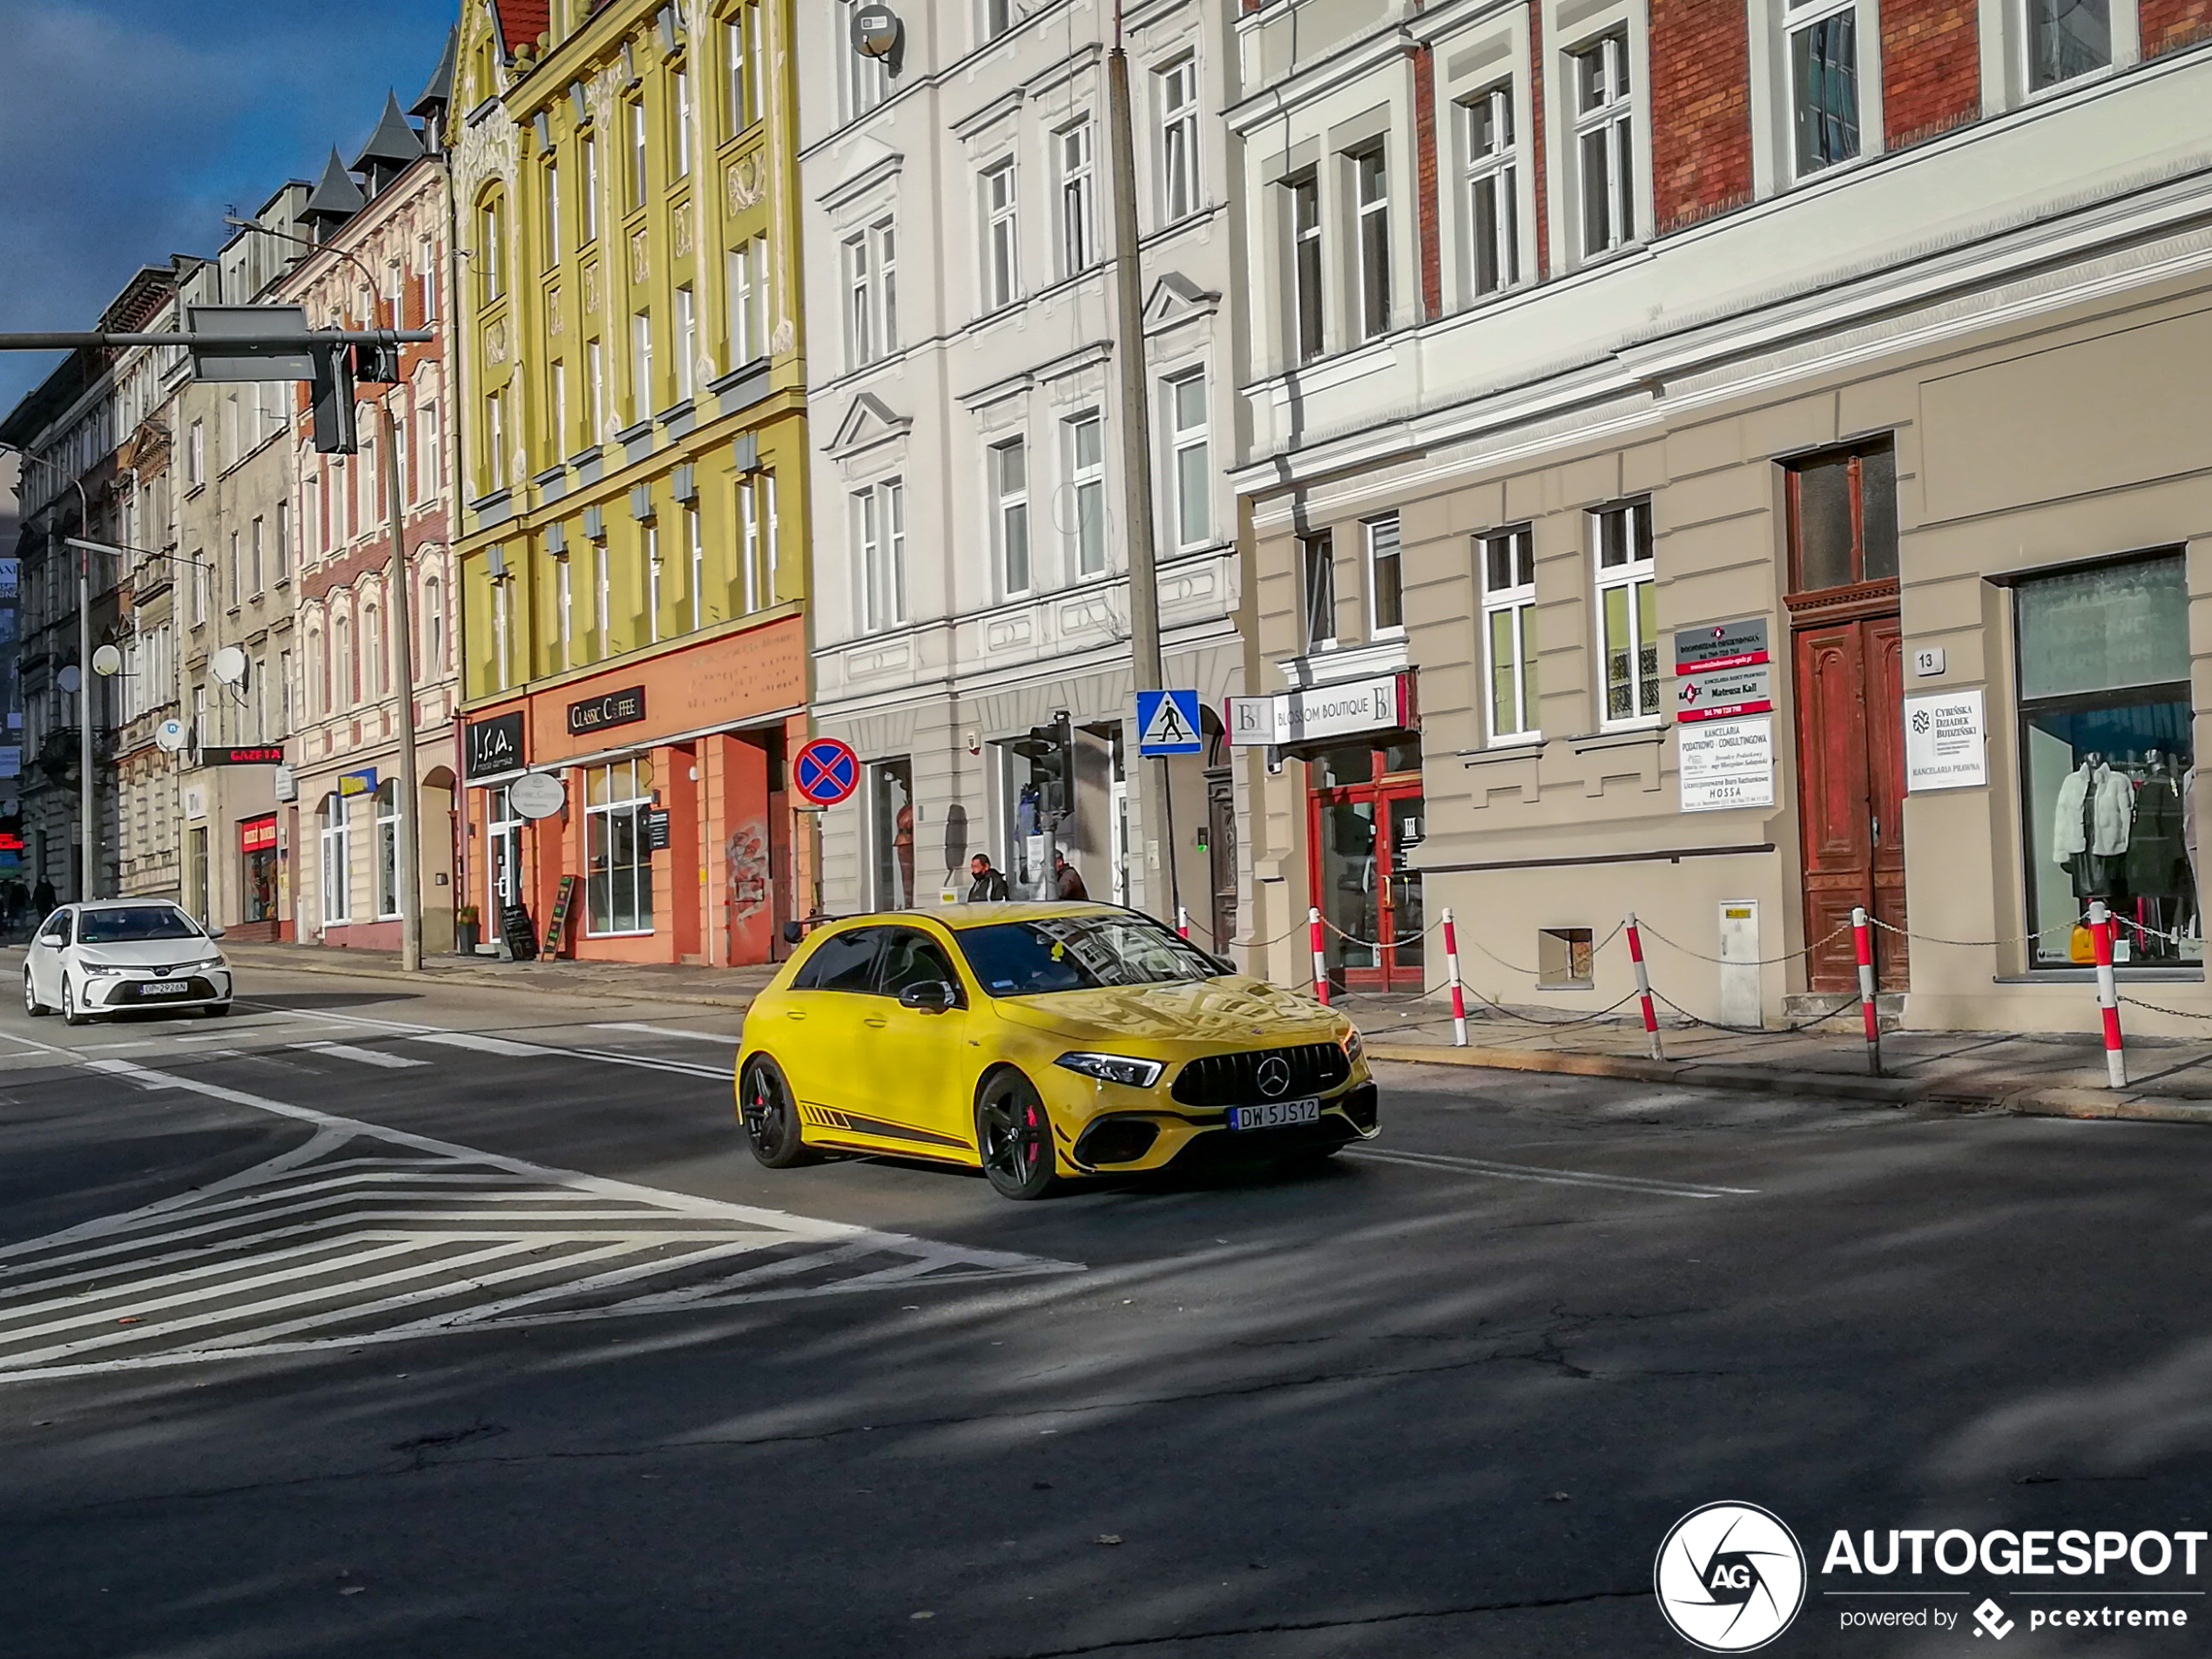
(1274, 1075)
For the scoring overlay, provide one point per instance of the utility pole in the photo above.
(1136, 445)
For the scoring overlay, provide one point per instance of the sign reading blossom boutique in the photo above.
(1380, 704)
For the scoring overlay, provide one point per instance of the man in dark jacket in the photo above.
(989, 885)
(1068, 881)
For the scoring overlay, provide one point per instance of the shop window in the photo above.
(335, 852)
(257, 848)
(2107, 759)
(1843, 518)
(387, 849)
(619, 880)
(1564, 959)
(891, 819)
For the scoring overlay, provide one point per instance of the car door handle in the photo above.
(794, 1013)
(878, 1024)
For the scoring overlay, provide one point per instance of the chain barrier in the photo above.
(1850, 1002)
(1971, 944)
(1650, 932)
(2153, 1008)
(1370, 944)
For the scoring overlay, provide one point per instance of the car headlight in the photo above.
(1114, 1068)
(104, 970)
(1352, 1046)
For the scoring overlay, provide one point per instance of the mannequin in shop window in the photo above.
(2157, 865)
(2096, 808)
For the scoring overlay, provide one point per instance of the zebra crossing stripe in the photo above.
(363, 1056)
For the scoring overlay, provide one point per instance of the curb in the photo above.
(1885, 1091)
(450, 976)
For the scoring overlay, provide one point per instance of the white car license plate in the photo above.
(161, 986)
(1275, 1114)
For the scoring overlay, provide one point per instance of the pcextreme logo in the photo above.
(1729, 1577)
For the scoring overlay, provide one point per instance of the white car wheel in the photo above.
(71, 1012)
(31, 1005)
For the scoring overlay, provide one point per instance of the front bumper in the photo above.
(1120, 1142)
(111, 994)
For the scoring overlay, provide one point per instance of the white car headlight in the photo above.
(102, 970)
(1114, 1068)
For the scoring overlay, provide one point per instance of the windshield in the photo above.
(127, 927)
(1081, 953)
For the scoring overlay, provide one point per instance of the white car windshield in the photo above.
(134, 923)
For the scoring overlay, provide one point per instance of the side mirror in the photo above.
(793, 932)
(53, 939)
(931, 996)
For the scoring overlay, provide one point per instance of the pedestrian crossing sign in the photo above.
(1167, 724)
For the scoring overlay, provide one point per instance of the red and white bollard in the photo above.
(1451, 971)
(1183, 921)
(1861, 938)
(2107, 992)
(1643, 987)
(1320, 955)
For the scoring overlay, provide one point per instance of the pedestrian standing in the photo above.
(989, 885)
(1068, 881)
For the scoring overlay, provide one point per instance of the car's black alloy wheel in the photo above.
(769, 1118)
(1013, 1134)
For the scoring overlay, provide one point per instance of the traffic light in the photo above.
(332, 388)
(376, 365)
(1051, 753)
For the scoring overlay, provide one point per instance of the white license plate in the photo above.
(1275, 1114)
(162, 986)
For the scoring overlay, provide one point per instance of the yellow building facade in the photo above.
(634, 560)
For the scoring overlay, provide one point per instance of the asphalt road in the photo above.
(365, 1323)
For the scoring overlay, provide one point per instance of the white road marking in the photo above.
(481, 1043)
(1550, 1177)
(667, 1031)
(271, 1259)
(365, 1056)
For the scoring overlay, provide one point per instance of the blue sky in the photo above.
(127, 126)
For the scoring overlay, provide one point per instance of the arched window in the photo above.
(372, 675)
(345, 691)
(491, 271)
(433, 625)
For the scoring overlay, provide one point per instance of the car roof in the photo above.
(959, 916)
(125, 904)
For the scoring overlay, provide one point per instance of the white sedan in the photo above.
(114, 954)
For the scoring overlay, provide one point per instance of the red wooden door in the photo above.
(1850, 792)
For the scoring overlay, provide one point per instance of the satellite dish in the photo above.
(537, 794)
(172, 736)
(107, 660)
(228, 665)
(69, 679)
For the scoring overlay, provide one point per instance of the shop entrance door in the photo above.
(1363, 831)
(1851, 793)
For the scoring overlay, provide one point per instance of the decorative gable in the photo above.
(867, 423)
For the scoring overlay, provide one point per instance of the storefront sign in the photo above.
(10, 760)
(1727, 764)
(1720, 646)
(1946, 741)
(556, 924)
(287, 787)
(536, 794)
(494, 744)
(656, 830)
(1728, 695)
(195, 800)
(613, 708)
(358, 783)
(518, 933)
(259, 754)
(1377, 704)
(256, 834)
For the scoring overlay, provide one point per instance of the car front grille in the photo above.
(1233, 1079)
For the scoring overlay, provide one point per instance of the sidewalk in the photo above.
(2042, 1075)
(724, 987)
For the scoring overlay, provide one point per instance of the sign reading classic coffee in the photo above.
(494, 744)
(614, 708)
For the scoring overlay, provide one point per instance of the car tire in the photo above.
(768, 1116)
(31, 1005)
(71, 1013)
(1013, 1137)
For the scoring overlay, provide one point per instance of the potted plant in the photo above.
(466, 921)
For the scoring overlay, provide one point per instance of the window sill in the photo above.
(634, 933)
(2177, 975)
(1504, 750)
(1622, 737)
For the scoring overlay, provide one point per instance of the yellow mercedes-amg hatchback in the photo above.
(1039, 1041)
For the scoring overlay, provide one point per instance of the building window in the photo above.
(1305, 192)
(1371, 179)
(196, 454)
(634, 118)
(284, 540)
(1492, 188)
(652, 583)
(1823, 84)
(751, 540)
(1087, 481)
(433, 641)
(695, 564)
(737, 55)
(1193, 468)
(617, 850)
(680, 122)
(426, 271)
(587, 188)
(387, 849)
(257, 569)
(687, 344)
(1843, 518)
(1010, 514)
(2108, 750)
(550, 188)
(1318, 562)
(1002, 237)
(2066, 38)
(1507, 559)
(1078, 198)
(1178, 88)
(491, 270)
(564, 606)
(641, 366)
(998, 18)
(602, 601)
(868, 80)
(1628, 614)
(871, 273)
(1604, 144)
(879, 532)
(891, 825)
(335, 849)
(558, 411)
(496, 440)
(1386, 580)
(595, 388)
(503, 630)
